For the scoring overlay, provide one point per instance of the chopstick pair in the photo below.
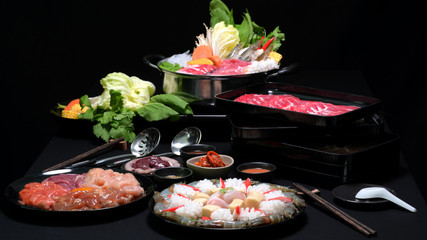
(367, 231)
(84, 155)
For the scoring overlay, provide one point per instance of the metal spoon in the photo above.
(143, 144)
(379, 192)
(187, 136)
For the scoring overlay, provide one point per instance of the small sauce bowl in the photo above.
(164, 177)
(260, 171)
(194, 150)
(210, 172)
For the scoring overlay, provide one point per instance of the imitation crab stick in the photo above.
(247, 184)
(172, 209)
(202, 51)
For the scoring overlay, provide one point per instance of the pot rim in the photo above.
(150, 61)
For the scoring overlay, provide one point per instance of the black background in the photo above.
(59, 50)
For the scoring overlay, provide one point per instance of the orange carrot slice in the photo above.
(202, 51)
(216, 60)
(72, 103)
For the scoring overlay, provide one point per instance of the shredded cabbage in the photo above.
(136, 92)
(224, 39)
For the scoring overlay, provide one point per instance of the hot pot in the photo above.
(205, 87)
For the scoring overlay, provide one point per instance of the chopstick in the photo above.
(367, 231)
(84, 155)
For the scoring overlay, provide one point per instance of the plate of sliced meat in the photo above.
(297, 104)
(79, 190)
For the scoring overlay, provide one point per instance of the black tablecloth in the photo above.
(390, 221)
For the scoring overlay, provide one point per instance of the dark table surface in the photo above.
(390, 221)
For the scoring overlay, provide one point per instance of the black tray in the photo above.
(368, 106)
(251, 127)
(339, 158)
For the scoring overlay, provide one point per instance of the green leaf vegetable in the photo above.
(136, 92)
(113, 122)
(224, 39)
(164, 106)
(249, 31)
(113, 114)
(220, 12)
(169, 66)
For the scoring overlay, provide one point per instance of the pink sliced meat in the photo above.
(286, 102)
(198, 69)
(256, 99)
(292, 103)
(231, 67)
(67, 181)
(321, 108)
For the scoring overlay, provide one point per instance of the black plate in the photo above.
(289, 220)
(12, 191)
(348, 192)
(367, 105)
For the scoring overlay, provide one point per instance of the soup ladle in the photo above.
(187, 136)
(379, 192)
(143, 144)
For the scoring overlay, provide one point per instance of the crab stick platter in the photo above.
(229, 204)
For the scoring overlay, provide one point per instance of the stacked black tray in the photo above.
(321, 150)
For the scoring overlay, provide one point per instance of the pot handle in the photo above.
(288, 69)
(152, 60)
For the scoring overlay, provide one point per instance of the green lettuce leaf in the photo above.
(187, 97)
(220, 12)
(174, 102)
(154, 111)
(135, 92)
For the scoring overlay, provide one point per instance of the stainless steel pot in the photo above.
(205, 87)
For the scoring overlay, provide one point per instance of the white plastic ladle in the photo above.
(379, 192)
